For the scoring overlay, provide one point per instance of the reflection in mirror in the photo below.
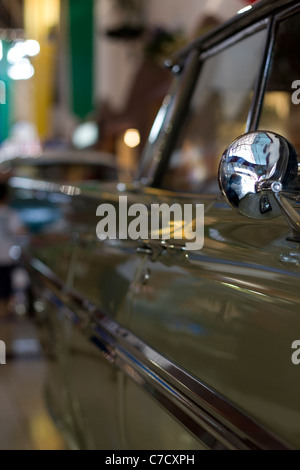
(253, 169)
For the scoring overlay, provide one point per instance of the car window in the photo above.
(217, 115)
(281, 105)
(159, 132)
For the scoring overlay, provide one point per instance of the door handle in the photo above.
(173, 246)
(144, 248)
(156, 247)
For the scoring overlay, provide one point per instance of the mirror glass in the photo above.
(248, 168)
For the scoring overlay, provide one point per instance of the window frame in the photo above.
(276, 20)
(191, 74)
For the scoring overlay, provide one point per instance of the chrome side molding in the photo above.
(211, 418)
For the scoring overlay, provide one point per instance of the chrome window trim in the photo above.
(262, 78)
(260, 94)
(236, 37)
(284, 14)
(202, 56)
(182, 97)
(207, 415)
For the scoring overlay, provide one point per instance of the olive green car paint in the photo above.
(159, 347)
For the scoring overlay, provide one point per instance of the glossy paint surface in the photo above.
(158, 346)
(227, 314)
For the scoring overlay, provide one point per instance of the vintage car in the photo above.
(155, 344)
(65, 165)
(35, 208)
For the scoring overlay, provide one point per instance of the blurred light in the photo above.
(243, 10)
(26, 346)
(39, 306)
(85, 135)
(31, 47)
(1, 50)
(15, 252)
(121, 187)
(21, 49)
(70, 190)
(20, 310)
(16, 53)
(132, 138)
(23, 70)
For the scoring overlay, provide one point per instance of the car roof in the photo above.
(259, 11)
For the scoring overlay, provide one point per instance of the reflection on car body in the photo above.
(178, 349)
(37, 211)
(64, 165)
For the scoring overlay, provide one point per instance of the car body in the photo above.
(63, 165)
(155, 346)
(37, 212)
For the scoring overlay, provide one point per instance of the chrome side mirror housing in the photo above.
(258, 174)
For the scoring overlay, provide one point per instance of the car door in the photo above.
(219, 322)
(193, 347)
(86, 287)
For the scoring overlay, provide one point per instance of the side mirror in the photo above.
(258, 174)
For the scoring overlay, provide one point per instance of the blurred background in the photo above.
(80, 80)
(89, 74)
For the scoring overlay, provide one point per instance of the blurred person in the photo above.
(10, 228)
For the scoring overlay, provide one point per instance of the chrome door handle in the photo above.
(156, 247)
(144, 249)
(172, 246)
